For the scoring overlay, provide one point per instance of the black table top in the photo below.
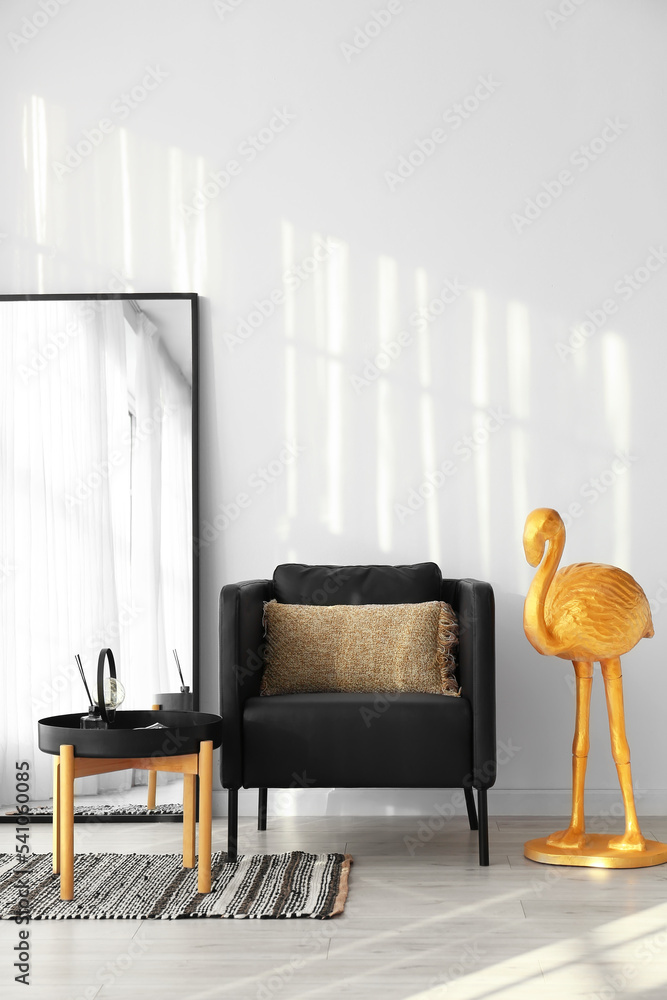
(183, 733)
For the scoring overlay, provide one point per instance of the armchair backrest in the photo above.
(296, 583)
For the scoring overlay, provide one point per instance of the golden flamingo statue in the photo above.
(587, 612)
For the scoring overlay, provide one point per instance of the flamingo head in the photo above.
(542, 525)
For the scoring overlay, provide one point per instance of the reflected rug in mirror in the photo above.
(107, 809)
(157, 886)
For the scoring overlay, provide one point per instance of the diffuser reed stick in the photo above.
(83, 678)
(179, 669)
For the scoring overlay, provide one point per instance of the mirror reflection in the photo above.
(97, 512)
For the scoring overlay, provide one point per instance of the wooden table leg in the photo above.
(56, 815)
(66, 822)
(205, 815)
(152, 779)
(189, 781)
(152, 788)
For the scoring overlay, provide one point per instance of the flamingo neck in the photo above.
(534, 623)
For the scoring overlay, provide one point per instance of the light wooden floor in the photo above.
(427, 925)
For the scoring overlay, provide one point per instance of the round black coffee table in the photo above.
(184, 743)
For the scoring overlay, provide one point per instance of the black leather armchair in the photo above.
(347, 740)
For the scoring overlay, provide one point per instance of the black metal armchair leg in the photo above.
(470, 806)
(483, 827)
(232, 823)
(261, 808)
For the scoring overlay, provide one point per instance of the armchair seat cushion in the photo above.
(404, 740)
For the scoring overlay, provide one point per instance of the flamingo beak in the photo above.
(533, 547)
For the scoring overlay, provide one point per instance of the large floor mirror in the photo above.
(98, 500)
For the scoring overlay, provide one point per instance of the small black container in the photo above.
(179, 701)
(93, 720)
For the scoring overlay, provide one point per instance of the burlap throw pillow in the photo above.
(360, 647)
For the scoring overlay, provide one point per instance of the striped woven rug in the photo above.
(145, 886)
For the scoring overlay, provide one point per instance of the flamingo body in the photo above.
(595, 612)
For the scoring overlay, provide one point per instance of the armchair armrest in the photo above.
(241, 664)
(474, 604)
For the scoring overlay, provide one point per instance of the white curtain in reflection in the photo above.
(65, 450)
(162, 514)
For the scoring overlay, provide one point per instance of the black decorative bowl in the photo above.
(183, 733)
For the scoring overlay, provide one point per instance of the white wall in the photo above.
(219, 74)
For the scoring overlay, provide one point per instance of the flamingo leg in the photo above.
(575, 835)
(632, 839)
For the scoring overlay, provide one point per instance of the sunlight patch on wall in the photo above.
(320, 390)
(336, 311)
(427, 418)
(580, 361)
(483, 491)
(421, 294)
(518, 358)
(179, 255)
(319, 301)
(198, 253)
(126, 201)
(479, 358)
(335, 447)
(290, 367)
(615, 369)
(387, 318)
(384, 467)
(518, 377)
(337, 305)
(35, 152)
(479, 394)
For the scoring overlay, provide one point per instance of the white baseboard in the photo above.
(423, 802)
(600, 802)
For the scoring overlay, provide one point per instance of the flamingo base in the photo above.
(596, 853)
